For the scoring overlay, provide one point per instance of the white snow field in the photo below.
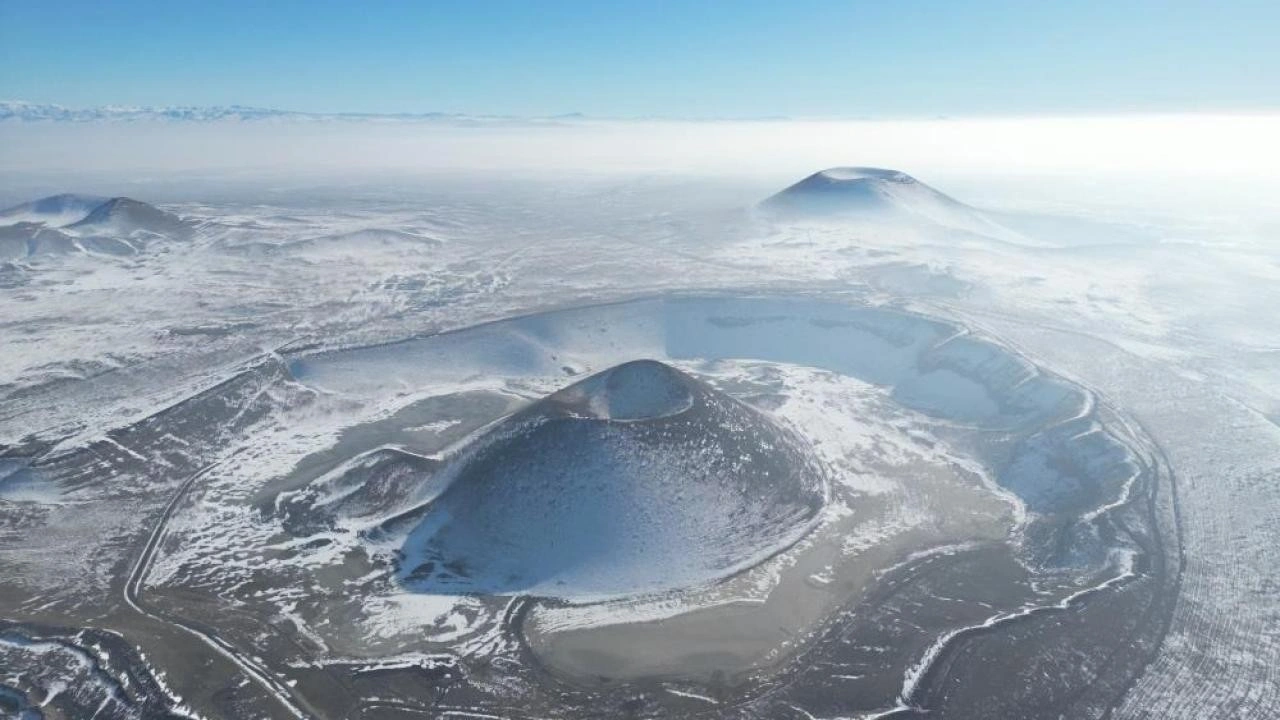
(380, 446)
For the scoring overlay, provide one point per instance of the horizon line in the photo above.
(9, 111)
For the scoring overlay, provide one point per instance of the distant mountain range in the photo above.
(18, 111)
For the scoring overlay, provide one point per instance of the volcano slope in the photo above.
(635, 480)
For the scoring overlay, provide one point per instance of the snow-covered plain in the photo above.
(227, 414)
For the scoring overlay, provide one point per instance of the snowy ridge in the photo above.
(19, 111)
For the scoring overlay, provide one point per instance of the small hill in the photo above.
(126, 217)
(638, 479)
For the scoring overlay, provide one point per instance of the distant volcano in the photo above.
(638, 479)
(127, 217)
(52, 211)
(89, 216)
(877, 194)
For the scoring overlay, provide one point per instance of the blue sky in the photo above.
(747, 58)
